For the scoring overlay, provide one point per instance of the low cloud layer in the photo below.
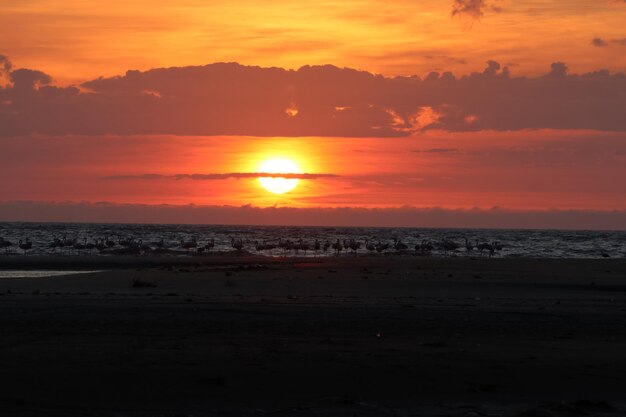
(231, 99)
(474, 9)
(214, 177)
(5, 65)
(340, 216)
(600, 42)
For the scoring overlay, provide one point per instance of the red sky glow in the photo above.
(435, 105)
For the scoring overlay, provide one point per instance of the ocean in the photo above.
(147, 239)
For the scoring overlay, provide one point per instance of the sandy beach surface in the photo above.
(349, 336)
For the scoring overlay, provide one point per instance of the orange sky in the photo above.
(539, 127)
(523, 170)
(80, 40)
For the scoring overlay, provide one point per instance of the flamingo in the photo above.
(326, 246)
(354, 245)
(190, 244)
(448, 245)
(337, 246)
(425, 247)
(5, 244)
(381, 247)
(89, 246)
(123, 242)
(237, 244)
(142, 248)
(398, 245)
(303, 246)
(486, 246)
(134, 247)
(138, 245)
(285, 245)
(317, 246)
(26, 246)
(101, 245)
(68, 242)
(481, 246)
(80, 246)
(56, 243)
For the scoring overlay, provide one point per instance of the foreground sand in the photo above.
(342, 337)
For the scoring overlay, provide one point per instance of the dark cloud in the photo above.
(232, 99)
(212, 177)
(599, 42)
(437, 150)
(26, 79)
(341, 216)
(473, 9)
(602, 43)
(5, 65)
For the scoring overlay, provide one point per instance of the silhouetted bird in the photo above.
(337, 246)
(5, 244)
(237, 244)
(398, 245)
(189, 244)
(25, 246)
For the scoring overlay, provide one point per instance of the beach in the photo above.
(341, 336)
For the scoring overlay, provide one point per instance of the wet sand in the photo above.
(248, 336)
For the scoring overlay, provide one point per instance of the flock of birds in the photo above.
(132, 246)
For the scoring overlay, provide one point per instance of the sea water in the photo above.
(12, 274)
(167, 239)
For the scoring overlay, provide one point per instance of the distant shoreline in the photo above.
(79, 262)
(452, 228)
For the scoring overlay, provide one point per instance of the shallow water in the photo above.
(515, 243)
(39, 274)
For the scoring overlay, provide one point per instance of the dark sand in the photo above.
(241, 336)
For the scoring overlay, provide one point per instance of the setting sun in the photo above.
(228, 205)
(279, 185)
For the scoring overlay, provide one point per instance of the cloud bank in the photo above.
(213, 177)
(232, 99)
(600, 42)
(5, 65)
(340, 216)
(474, 9)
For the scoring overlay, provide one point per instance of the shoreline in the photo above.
(26, 262)
(337, 226)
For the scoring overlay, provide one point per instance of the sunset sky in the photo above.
(461, 106)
